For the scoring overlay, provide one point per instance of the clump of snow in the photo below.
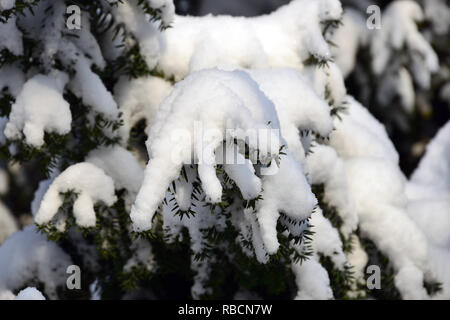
(371, 138)
(147, 34)
(239, 106)
(433, 169)
(86, 42)
(7, 4)
(349, 36)
(11, 37)
(378, 188)
(326, 240)
(298, 106)
(91, 185)
(30, 293)
(26, 256)
(142, 256)
(358, 259)
(328, 83)
(286, 191)
(28, 116)
(399, 29)
(122, 166)
(52, 32)
(86, 84)
(438, 12)
(312, 280)
(325, 167)
(139, 99)
(286, 37)
(429, 205)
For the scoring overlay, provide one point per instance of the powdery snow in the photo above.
(91, 185)
(27, 255)
(139, 99)
(239, 105)
(29, 117)
(285, 37)
(429, 205)
(30, 293)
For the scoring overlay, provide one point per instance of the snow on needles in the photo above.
(378, 188)
(230, 106)
(429, 205)
(27, 255)
(286, 37)
(400, 29)
(90, 184)
(28, 116)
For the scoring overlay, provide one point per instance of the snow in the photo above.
(7, 4)
(312, 280)
(298, 105)
(121, 165)
(202, 220)
(52, 32)
(11, 37)
(285, 37)
(378, 188)
(28, 116)
(358, 259)
(328, 80)
(349, 37)
(142, 256)
(438, 12)
(8, 224)
(27, 255)
(326, 240)
(433, 169)
(400, 29)
(428, 193)
(91, 185)
(30, 293)
(86, 41)
(239, 104)
(286, 191)
(147, 34)
(139, 99)
(325, 167)
(86, 84)
(371, 138)
(240, 170)
(243, 82)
